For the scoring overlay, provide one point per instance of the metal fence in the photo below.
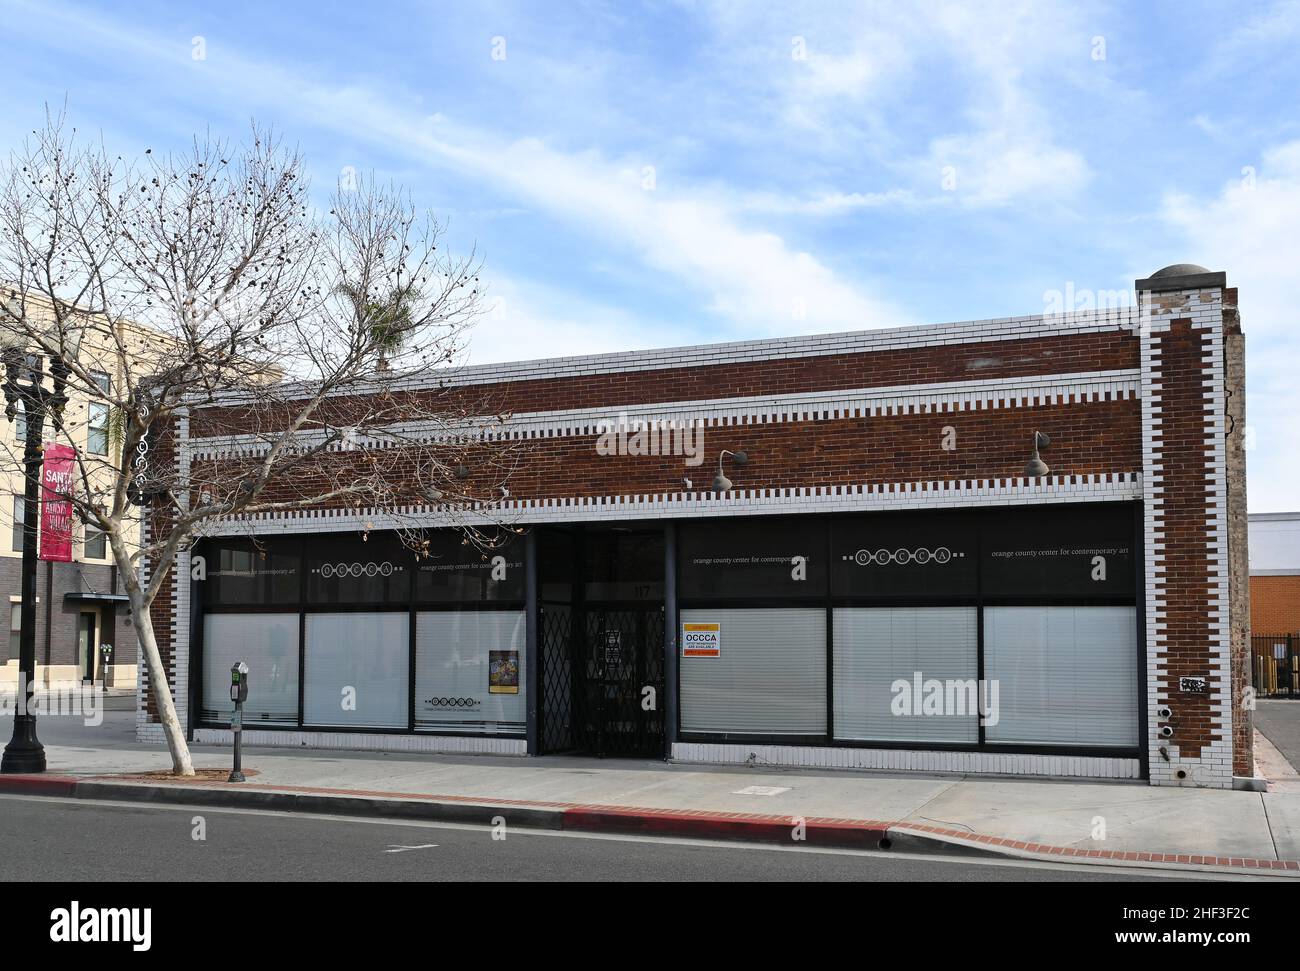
(1277, 674)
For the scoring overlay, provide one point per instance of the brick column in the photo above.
(1185, 495)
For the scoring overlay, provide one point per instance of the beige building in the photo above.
(80, 605)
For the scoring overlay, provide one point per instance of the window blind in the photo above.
(357, 670)
(875, 647)
(769, 677)
(1066, 675)
(454, 689)
(268, 644)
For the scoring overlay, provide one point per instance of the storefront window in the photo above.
(357, 570)
(456, 570)
(753, 671)
(932, 556)
(907, 674)
(556, 553)
(469, 671)
(240, 572)
(1078, 551)
(770, 558)
(357, 670)
(268, 644)
(622, 564)
(1064, 675)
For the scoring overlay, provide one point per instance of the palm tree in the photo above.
(388, 320)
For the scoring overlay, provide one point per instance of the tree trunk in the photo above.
(162, 692)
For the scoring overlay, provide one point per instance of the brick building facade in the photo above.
(884, 527)
(79, 609)
(1275, 573)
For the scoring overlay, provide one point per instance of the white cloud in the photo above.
(526, 320)
(1249, 230)
(997, 166)
(975, 74)
(830, 203)
(747, 275)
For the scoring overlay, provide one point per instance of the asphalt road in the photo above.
(1278, 720)
(57, 839)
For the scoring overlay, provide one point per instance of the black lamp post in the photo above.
(24, 386)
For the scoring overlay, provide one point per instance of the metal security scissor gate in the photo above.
(603, 679)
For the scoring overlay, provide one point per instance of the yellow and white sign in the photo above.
(701, 640)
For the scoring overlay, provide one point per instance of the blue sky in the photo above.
(647, 174)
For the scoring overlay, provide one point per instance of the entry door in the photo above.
(621, 674)
(87, 643)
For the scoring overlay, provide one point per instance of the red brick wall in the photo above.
(1189, 583)
(1090, 438)
(1275, 605)
(1102, 351)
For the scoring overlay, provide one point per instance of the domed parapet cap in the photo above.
(1182, 276)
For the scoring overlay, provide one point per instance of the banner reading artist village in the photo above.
(56, 507)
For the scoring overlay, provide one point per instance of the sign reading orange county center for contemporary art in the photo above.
(56, 508)
(701, 640)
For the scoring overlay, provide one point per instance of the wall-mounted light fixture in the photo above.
(720, 482)
(1035, 465)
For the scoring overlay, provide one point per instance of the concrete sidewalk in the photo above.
(1121, 823)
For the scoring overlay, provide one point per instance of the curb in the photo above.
(566, 817)
(855, 834)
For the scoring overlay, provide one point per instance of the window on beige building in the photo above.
(96, 544)
(17, 537)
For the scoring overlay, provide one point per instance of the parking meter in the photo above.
(239, 682)
(238, 694)
(105, 659)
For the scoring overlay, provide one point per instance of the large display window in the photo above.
(752, 560)
(373, 569)
(268, 644)
(241, 572)
(1083, 551)
(452, 569)
(1064, 675)
(907, 674)
(758, 671)
(1009, 627)
(356, 672)
(470, 673)
(920, 557)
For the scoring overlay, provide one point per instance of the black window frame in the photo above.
(983, 516)
(303, 606)
(20, 515)
(93, 534)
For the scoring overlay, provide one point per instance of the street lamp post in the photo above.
(24, 385)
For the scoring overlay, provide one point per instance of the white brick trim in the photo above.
(1121, 319)
(834, 757)
(940, 494)
(366, 742)
(940, 398)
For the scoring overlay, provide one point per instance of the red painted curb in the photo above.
(39, 785)
(767, 829)
(757, 827)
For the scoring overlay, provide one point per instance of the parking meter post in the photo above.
(238, 694)
(105, 658)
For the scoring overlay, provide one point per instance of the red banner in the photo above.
(56, 508)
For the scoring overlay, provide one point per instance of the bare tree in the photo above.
(312, 348)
